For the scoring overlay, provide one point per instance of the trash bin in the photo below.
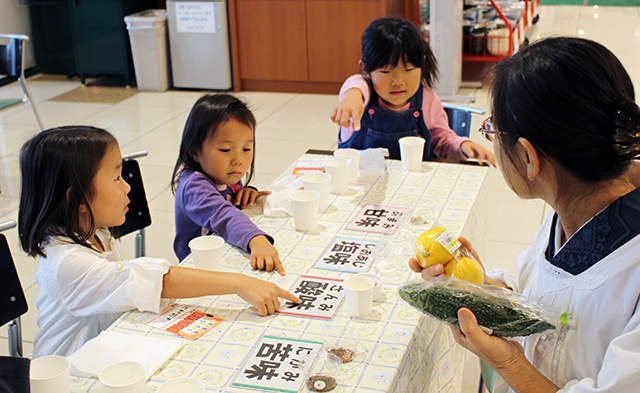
(148, 35)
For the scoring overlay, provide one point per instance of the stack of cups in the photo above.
(353, 156)
(318, 182)
(411, 151)
(305, 209)
(339, 170)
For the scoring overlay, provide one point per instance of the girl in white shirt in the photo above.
(73, 198)
(565, 128)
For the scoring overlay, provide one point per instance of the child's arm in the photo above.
(474, 150)
(264, 255)
(183, 282)
(354, 97)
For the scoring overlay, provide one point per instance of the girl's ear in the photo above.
(531, 158)
(82, 208)
(193, 152)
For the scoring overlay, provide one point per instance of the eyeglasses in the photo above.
(487, 130)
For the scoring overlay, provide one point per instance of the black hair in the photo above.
(58, 166)
(565, 95)
(386, 41)
(207, 114)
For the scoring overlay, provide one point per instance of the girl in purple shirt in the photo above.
(216, 152)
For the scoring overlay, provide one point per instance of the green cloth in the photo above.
(592, 2)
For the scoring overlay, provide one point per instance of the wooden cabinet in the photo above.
(307, 46)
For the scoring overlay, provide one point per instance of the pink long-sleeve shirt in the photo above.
(445, 142)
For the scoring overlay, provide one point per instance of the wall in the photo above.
(14, 19)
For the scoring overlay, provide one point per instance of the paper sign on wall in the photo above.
(380, 219)
(277, 364)
(348, 255)
(320, 297)
(195, 17)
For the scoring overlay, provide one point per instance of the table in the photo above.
(401, 351)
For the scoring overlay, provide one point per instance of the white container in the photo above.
(411, 151)
(359, 295)
(50, 374)
(181, 385)
(127, 376)
(305, 209)
(149, 46)
(207, 252)
(353, 155)
(377, 288)
(318, 182)
(338, 169)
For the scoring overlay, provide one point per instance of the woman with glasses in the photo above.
(565, 128)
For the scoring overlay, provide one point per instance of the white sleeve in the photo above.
(505, 277)
(90, 285)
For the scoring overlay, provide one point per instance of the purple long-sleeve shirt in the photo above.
(202, 208)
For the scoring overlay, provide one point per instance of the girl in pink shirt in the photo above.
(394, 97)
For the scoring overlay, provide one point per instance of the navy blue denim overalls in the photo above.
(383, 127)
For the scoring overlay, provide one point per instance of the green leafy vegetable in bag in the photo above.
(504, 313)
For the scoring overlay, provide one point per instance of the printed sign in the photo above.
(195, 17)
(277, 364)
(181, 319)
(320, 297)
(348, 255)
(309, 165)
(380, 219)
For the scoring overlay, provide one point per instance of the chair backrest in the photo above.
(138, 216)
(459, 121)
(11, 57)
(12, 300)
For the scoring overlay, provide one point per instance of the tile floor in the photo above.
(288, 125)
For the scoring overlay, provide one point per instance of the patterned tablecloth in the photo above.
(401, 350)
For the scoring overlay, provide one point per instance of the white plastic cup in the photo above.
(50, 374)
(207, 252)
(318, 182)
(181, 385)
(353, 155)
(359, 294)
(411, 151)
(127, 376)
(377, 288)
(338, 169)
(305, 209)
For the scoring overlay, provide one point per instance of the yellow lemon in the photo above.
(465, 268)
(429, 251)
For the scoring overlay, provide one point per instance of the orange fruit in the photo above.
(465, 268)
(429, 251)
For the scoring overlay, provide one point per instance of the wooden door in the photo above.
(272, 41)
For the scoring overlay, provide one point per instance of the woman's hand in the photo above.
(263, 295)
(474, 150)
(438, 269)
(264, 255)
(247, 196)
(349, 109)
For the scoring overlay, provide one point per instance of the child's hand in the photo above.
(247, 196)
(349, 109)
(263, 295)
(473, 150)
(264, 255)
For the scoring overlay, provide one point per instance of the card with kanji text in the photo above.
(277, 364)
(348, 254)
(320, 297)
(379, 219)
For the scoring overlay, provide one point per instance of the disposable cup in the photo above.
(181, 385)
(411, 151)
(305, 209)
(318, 182)
(127, 376)
(377, 288)
(338, 169)
(50, 374)
(354, 156)
(359, 294)
(341, 341)
(207, 252)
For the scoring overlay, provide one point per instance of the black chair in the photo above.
(460, 117)
(12, 67)
(139, 216)
(13, 304)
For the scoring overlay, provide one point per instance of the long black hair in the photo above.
(386, 41)
(207, 114)
(572, 99)
(57, 168)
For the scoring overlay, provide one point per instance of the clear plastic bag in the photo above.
(499, 311)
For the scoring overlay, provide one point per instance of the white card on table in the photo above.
(348, 254)
(320, 297)
(379, 219)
